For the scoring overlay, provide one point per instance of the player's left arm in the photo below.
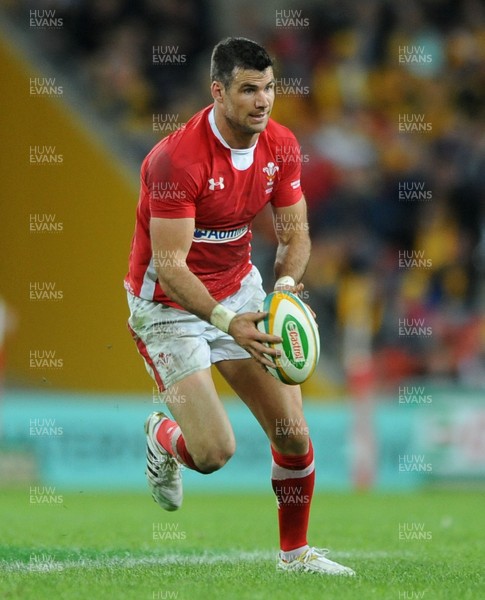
(294, 245)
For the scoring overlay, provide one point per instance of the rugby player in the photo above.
(193, 292)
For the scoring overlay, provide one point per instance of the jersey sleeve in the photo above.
(287, 190)
(171, 189)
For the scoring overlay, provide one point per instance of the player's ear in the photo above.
(217, 91)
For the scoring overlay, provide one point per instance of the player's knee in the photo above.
(215, 458)
(291, 441)
(289, 433)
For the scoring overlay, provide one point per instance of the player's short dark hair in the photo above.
(233, 52)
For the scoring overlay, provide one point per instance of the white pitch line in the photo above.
(44, 563)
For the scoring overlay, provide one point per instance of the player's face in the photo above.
(247, 103)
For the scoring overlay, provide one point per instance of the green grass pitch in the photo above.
(122, 546)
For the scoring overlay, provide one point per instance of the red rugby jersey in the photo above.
(194, 173)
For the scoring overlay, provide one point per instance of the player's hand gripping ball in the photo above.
(289, 318)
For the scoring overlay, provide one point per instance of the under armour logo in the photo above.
(213, 183)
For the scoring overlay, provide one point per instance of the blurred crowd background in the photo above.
(346, 76)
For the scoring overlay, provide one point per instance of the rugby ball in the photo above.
(289, 318)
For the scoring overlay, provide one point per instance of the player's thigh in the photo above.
(277, 407)
(198, 410)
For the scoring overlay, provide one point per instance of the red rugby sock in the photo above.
(293, 480)
(170, 437)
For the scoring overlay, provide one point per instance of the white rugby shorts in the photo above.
(175, 343)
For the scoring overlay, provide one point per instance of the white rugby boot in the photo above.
(163, 470)
(314, 560)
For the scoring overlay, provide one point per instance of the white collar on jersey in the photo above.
(241, 158)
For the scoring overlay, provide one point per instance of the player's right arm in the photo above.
(171, 241)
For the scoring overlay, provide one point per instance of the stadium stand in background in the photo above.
(343, 90)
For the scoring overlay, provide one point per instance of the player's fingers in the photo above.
(294, 289)
(256, 348)
(266, 338)
(262, 359)
(262, 353)
(261, 365)
(256, 317)
(259, 335)
(263, 349)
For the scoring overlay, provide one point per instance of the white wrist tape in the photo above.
(221, 317)
(284, 282)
